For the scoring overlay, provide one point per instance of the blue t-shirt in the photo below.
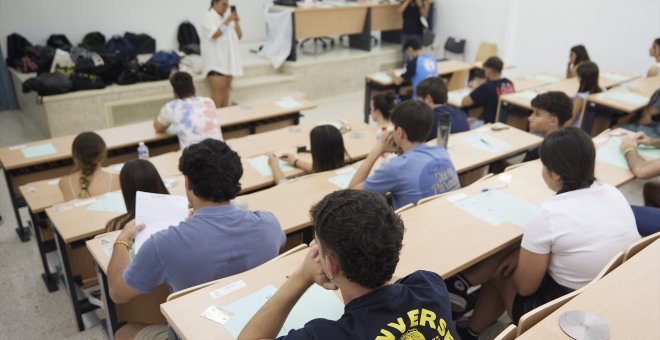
(415, 307)
(419, 68)
(419, 172)
(488, 94)
(459, 121)
(215, 242)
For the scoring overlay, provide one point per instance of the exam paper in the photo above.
(157, 212)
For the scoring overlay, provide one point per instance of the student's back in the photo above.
(488, 93)
(433, 92)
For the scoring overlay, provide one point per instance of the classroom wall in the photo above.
(537, 35)
(37, 19)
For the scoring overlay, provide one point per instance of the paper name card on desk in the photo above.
(260, 163)
(343, 178)
(487, 143)
(288, 103)
(112, 202)
(38, 150)
(382, 77)
(627, 97)
(497, 207)
(157, 212)
(317, 302)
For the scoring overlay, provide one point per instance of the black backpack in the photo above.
(16, 45)
(188, 38)
(86, 81)
(142, 43)
(59, 41)
(42, 56)
(122, 47)
(93, 41)
(129, 75)
(48, 84)
(87, 61)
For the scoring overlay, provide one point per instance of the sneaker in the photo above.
(457, 286)
(95, 298)
(464, 333)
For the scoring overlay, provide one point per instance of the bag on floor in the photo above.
(122, 47)
(16, 45)
(59, 41)
(161, 64)
(142, 43)
(93, 41)
(188, 38)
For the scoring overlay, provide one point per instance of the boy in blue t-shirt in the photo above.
(488, 94)
(421, 64)
(419, 171)
(346, 257)
(433, 92)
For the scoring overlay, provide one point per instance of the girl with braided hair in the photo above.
(88, 178)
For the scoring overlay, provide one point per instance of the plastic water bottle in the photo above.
(143, 151)
(444, 128)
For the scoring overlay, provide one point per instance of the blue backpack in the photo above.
(161, 64)
(122, 49)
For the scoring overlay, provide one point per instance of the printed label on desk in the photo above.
(84, 202)
(217, 314)
(31, 190)
(456, 197)
(17, 147)
(230, 288)
(54, 181)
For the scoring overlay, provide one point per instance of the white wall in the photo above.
(537, 35)
(37, 19)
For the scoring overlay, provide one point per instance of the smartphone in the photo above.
(301, 149)
(232, 8)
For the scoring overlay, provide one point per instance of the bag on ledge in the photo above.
(142, 43)
(188, 38)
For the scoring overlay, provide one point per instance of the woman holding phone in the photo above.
(221, 32)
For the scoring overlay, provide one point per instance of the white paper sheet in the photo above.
(157, 212)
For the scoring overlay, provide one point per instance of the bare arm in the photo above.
(578, 106)
(237, 27)
(642, 168)
(403, 6)
(424, 7)
(274, 165)
(530, 271)
(158, 126)
(385, 145)
(120, 292)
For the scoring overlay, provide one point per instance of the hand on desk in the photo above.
(289, 158)
(633, 140)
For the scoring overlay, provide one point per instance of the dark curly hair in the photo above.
(213, 170)
(570, 153)
(556, 103)
(362, 232)
(434, 87)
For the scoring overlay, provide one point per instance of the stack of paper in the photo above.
(157, 212)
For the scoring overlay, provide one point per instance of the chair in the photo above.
(454, 46)
(639, 246)
(513, 166)
(458, 80)
(485, 51)
(485, 177)
(404, 208)
(508, 333)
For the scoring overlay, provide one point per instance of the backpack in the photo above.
(16, 45)
(129, 75)
(59, 41)
(87, 61)
(27, 65)
(93, 41)
(43, 56)
(161, 64)
(125, 50)
(86, 81)
(48, 84)
(188, 38)
(142, 43)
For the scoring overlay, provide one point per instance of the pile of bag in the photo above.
(93, 64)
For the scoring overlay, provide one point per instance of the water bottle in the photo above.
(444, 128)
(143, 151)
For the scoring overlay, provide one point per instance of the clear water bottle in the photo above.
(143, 151)
(444, 128)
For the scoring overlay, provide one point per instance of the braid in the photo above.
(86, 172)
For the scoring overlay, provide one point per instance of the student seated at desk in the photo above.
(419, 171)
(194, 118)
(136, 175)
(654, 52)
(88, 178)
(551, 111)
(421, 64)
(488, 93)
(358, 241)
(587, 73)
(577, 55)
(433, 92)
(218, 240)
(649, 120)
(569, 240)
(381, 110)
(648, 217)
(328, 153)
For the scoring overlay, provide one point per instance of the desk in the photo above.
(520, 101)
(625, 299)
(121, 143)
(619, 101)
(381, 81)
(142, 309)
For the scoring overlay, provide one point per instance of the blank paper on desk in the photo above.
(487, 143)
(496, 207)
(316, 303)
(157, 212)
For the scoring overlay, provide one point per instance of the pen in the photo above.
(484, 141)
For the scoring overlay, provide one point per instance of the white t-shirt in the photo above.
(220, 55)
(582, 230)
(194, 119)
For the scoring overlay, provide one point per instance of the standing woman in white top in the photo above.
(569, 240)
(654, 52)
(221, 32)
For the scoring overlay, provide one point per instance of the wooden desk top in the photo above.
(616, 97)
(101, 247)
(127, 135)
(183, 313)
(627, 300)
(445, 68)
